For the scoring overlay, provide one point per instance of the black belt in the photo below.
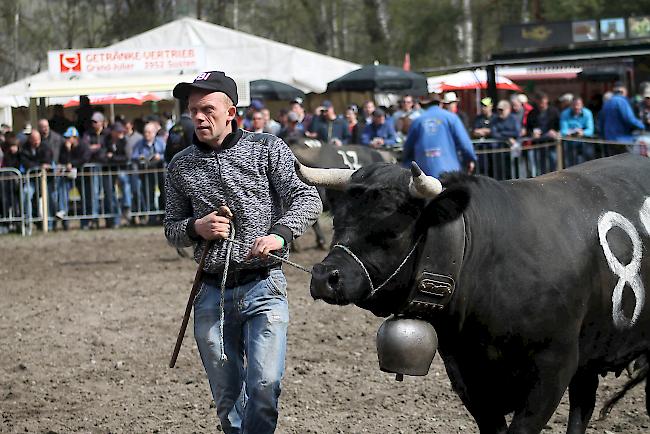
(239, 277)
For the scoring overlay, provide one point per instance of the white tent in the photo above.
(243, 56)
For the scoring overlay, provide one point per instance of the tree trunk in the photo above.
(377, 19)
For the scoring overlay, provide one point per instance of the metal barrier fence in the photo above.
(52, 197)
(527, 157)
(11, 203)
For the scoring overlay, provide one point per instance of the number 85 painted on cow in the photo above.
(628, 274)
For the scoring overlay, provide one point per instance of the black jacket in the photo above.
(30, 158)
(77, 155)
(180, 137)
(119, 157)
(545, 121)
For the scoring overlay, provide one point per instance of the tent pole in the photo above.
(33, 112)
(491, 82)
(112, 113)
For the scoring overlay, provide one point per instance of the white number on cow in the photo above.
(350, 155)
(628, 274)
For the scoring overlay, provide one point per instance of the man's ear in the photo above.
(448, 206)
(232, 112)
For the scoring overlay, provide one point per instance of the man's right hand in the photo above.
(213, 226)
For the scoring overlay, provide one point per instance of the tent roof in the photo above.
(243, 56)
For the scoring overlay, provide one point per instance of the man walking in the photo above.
(253, 175)
(434, 141)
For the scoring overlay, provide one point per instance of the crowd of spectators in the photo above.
(517, 119)
(98, 158)
(98, 168)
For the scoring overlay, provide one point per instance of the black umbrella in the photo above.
(274, 90)
(381, 78)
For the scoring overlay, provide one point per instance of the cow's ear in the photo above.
(448, 206)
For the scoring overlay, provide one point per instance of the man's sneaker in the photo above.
(60, 215)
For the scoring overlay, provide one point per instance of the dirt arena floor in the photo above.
(88, 322)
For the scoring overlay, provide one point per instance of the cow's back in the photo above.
(539, 257)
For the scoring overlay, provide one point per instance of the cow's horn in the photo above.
(423, 186)
(335, 179)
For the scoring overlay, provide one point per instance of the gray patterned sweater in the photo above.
(254, 175)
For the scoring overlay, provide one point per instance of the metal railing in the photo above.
(527, 157)
(11, 201)
(47, 198)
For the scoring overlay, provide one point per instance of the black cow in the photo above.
(315, 153)
(545, 278)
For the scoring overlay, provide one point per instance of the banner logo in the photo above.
(70, 62)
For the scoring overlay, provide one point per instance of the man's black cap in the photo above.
(215, 81)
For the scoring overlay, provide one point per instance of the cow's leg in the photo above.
(481, 407)
(582, 399)
(554, 371)
(320, 237)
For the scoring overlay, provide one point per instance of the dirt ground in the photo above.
(88, 322)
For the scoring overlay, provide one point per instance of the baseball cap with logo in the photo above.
(215, 81)
(71, 132)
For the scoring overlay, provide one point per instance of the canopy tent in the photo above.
(243, 56)
(467, 80)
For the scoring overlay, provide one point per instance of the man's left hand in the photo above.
(263, 246)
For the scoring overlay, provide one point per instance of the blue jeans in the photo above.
(256, 319)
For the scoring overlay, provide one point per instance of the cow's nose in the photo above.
(324, 281)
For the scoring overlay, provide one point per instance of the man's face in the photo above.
(543, 103)
(149, 132)
(504, 111)
(35, 139)
(266, 114)
(350, 115)
(516, 104)
(378, 120)
(44, 127)
(408, 103)
(210, 115)
(577, 106)
(117, 135)
(297, 109)
(369, 107)
(98, 126)
(73, 140)
(486, 110)
(258, 121)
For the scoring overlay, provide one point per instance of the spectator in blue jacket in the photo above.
(577, 121)
(504, 125)
(329, 127)
(435, 141)
(378, 133)
(148, 154)
(616, 120)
